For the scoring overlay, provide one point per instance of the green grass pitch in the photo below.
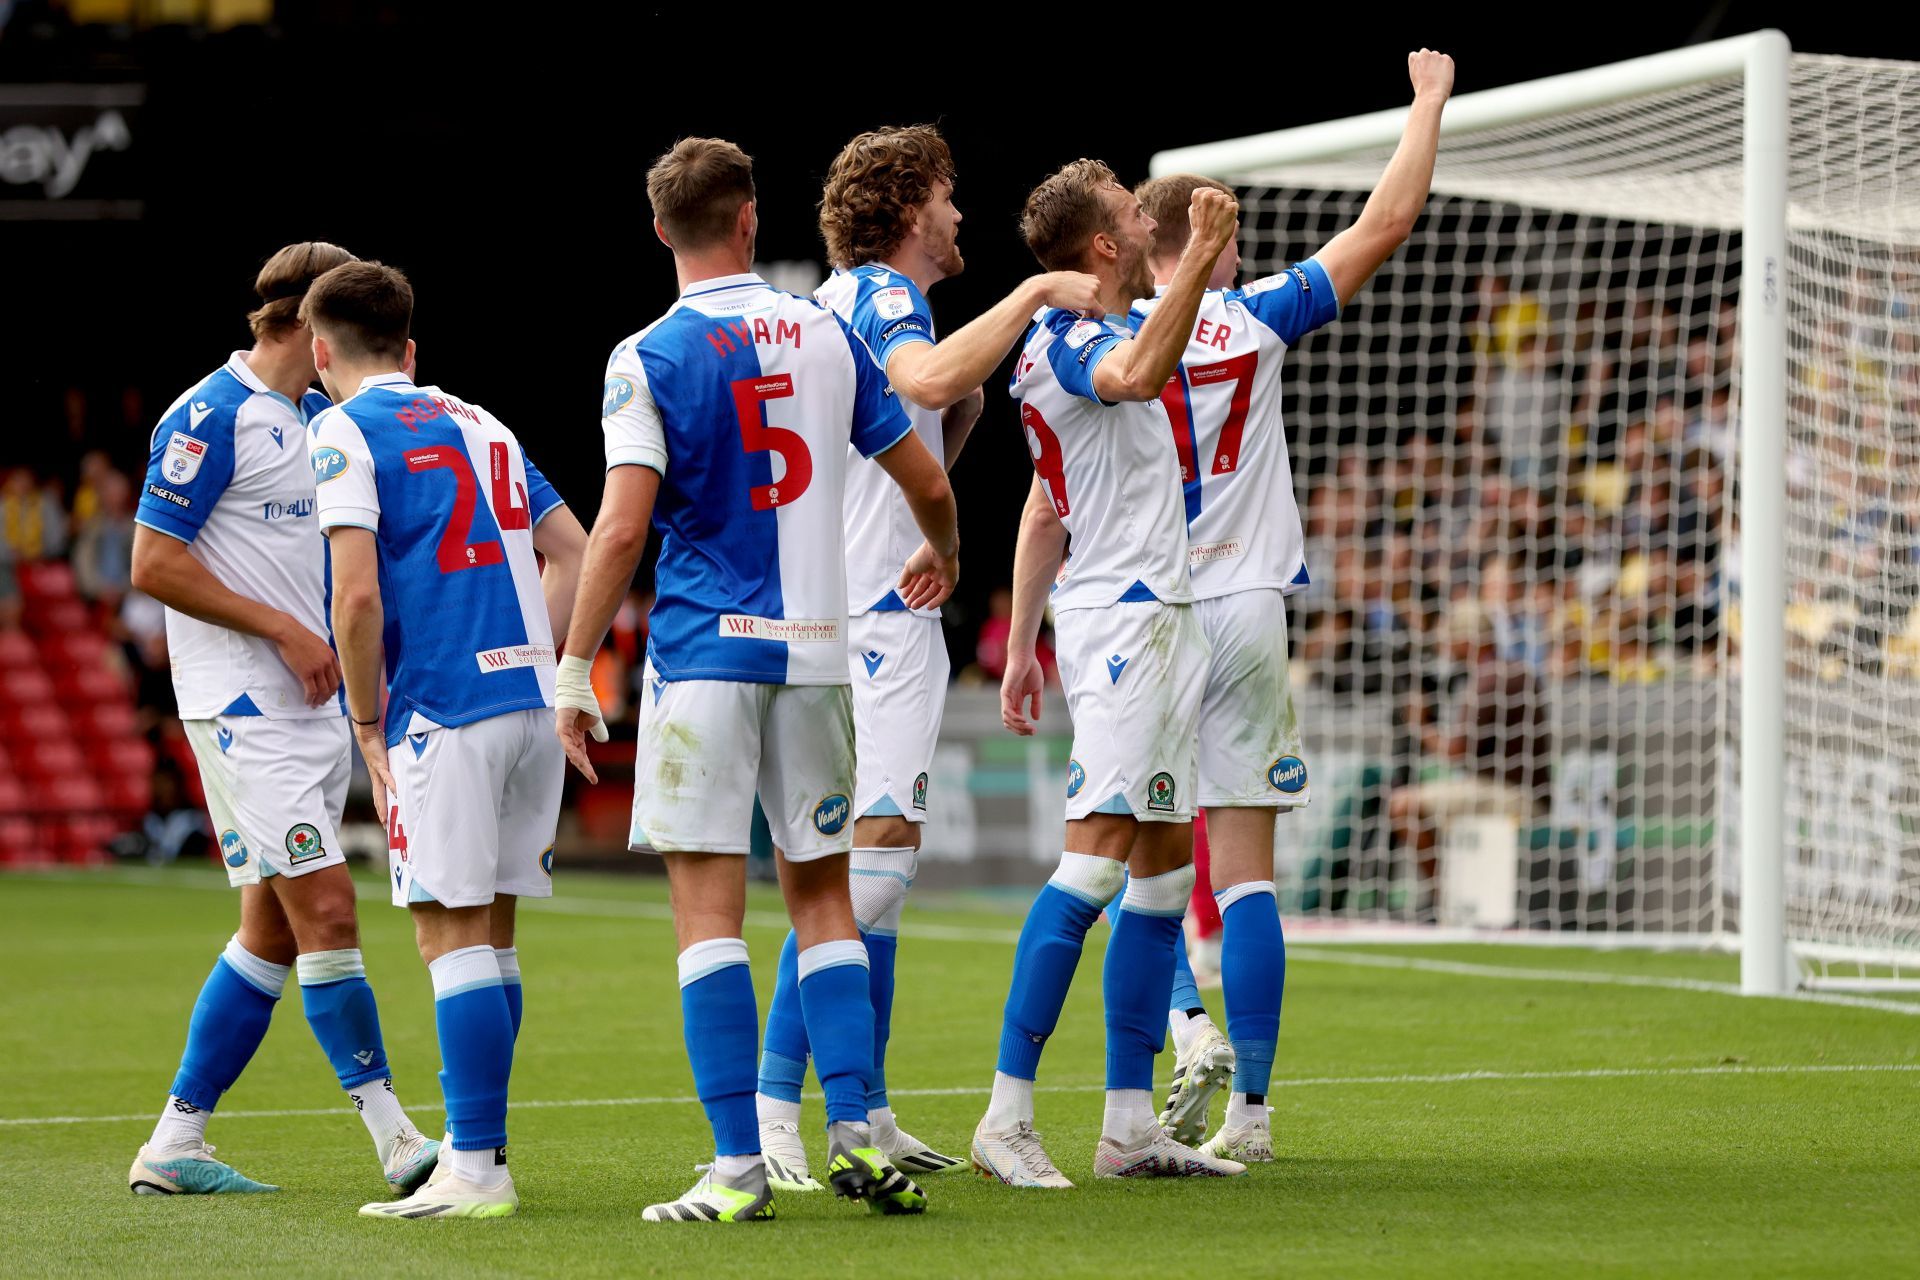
(1449, 1119)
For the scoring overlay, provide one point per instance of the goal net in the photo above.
(1517, 456)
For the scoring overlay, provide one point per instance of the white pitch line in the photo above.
(622, 909)
(1303, 1082)
(1520, 973)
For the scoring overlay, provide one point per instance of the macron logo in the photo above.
(1115, 665)
(873, 658)
(364, 1057)
(197, 414)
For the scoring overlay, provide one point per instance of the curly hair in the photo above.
(873, 187)
(1065, 212)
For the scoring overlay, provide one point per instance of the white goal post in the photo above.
(1593, 574)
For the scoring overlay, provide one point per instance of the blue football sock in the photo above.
(721, 1025)
(476, 1046)
(1048, 953)
(783, 1063)
(509, 958)
(882, 950)
(1253, 972)
(1186, 992)
(839, 1013)
(342, 1012)
(229, 1020)
(1138, 978)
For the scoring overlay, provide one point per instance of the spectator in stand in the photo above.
(32, 520)
(9, 590)
(990, 646)
(103, 549)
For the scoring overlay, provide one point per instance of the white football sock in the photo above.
(1129, 1120)
(484, 1168)
(1012, 1102)
(181, 1125)
(880, 1120)
(1186, 1028)
(380, 1111)
(732, 1167)
(1241, 1113)
(767, 1108)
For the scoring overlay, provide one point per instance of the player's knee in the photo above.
(1089, 876)
(1159, 847)
(885, 831)
(879, 880)
(1105, 835)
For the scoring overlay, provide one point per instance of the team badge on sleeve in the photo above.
(615, 396)
(183, 458)
(1083, 333)
(303, 842)
(1160, 792)
(891, 304)
(328, 464)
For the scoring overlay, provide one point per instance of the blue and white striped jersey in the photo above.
(745, 400)
(227, 474)
(452, 500)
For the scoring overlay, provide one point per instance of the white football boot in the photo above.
(746, 1198)
(786, 1156)
(450, 1196)
(1204, 1069)
(1250, 1143)
(413, 1159)
(1159, 1156)
(1014, 1156)
(907, 1152)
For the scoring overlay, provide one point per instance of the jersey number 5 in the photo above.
(757, 437)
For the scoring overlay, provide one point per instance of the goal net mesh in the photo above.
(1517, 455)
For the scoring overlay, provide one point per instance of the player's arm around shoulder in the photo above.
(939, 376)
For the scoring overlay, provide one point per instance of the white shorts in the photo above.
(1250, 752)
(708, 746)
(899, 665)
(275, 791)
(475, 810)
(1134, 675)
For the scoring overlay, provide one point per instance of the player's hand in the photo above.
(1020, 689)
(1214, 217)
(373, 749)
(576, 712)
(1072, 291)
(312, 661)
(928, 578)
(1431, 73)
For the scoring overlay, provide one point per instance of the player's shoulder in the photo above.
(1071, 329)
(1294, 277)
(314, 403)
(210, 409)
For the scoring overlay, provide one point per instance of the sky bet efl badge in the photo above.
(184, 456)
